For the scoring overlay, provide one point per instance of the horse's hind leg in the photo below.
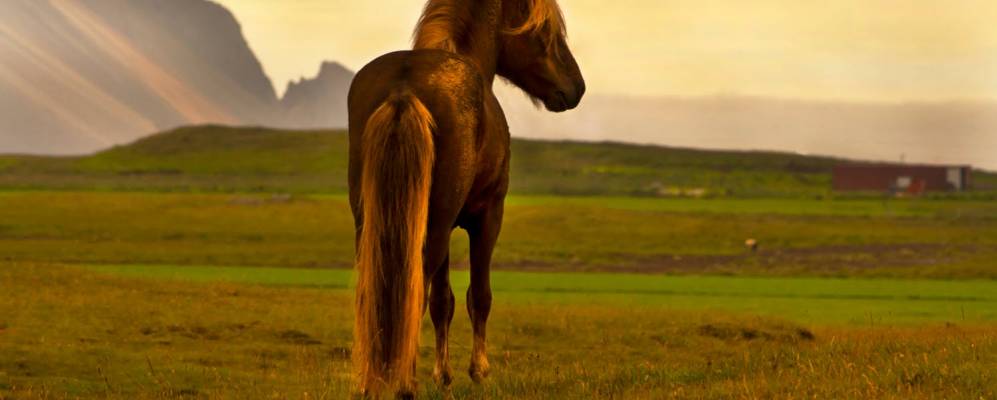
(441, 308)
(483, 234)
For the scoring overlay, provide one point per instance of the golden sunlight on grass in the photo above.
(65, 332)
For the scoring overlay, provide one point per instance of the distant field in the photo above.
(899, 238)
(843, 207)
(221, 159)
(66, 332)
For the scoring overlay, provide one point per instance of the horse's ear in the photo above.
(544, 19)
(538, 14)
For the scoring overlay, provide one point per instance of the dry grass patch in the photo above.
(65, 332)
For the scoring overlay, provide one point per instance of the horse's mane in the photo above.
(445, 24)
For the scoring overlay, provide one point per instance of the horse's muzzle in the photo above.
(566, 99)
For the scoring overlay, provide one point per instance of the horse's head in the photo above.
(534, 55)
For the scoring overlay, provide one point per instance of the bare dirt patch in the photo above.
(297, 337)
(774, 333)
(820, 259)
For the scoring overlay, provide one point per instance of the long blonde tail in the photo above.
(397, 157)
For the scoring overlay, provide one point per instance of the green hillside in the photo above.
(215, 158)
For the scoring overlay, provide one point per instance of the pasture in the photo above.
(215, 295)
(169, 268)
(953, 238)
(189, 332)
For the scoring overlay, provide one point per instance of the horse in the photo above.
(429, 153)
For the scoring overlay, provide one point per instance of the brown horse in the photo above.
(429, 152)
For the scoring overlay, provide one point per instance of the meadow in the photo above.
(905, 239)
(242, 295)
(132, 332)
(213, 262)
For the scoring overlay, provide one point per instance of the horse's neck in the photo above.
(484, 36)
(470, 28)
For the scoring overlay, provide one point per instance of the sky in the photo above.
(850, 50)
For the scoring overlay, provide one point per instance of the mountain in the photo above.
(79, 76)
(318, 102)
(83, 75)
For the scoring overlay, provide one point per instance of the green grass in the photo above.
(223, 159)
(80, 319)
(66, 332)
(917, 238)
(804, 300)
(166, 269)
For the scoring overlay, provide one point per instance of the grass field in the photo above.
(169, 269)
(85, 332)
(159, 295)
(909, 238)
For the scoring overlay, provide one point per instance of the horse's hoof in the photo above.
(405, 395)
(444, 378)
(478, 373)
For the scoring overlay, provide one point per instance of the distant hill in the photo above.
(215, 158)
(82, 75)
(958, 132)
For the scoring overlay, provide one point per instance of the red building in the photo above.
(898, 178)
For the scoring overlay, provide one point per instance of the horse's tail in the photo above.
(397, 157)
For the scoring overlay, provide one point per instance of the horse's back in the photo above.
(448, 84)
(452, 90)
